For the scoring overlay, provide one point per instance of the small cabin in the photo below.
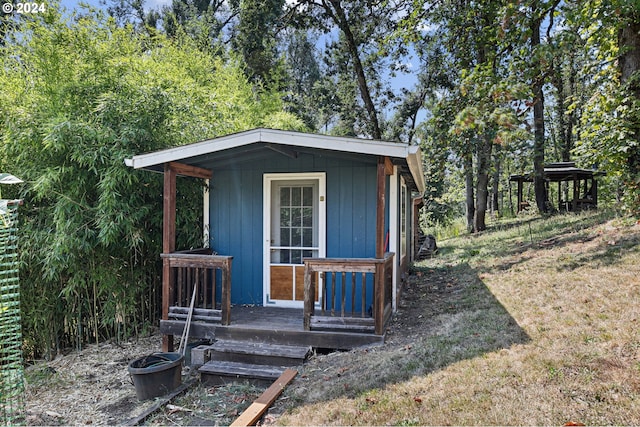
(319, 228)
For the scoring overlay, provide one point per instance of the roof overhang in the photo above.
(189, 154)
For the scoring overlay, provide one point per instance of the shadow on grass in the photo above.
(604, 254)
(511, 240)
(445, 315)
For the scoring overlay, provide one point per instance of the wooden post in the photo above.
(225, 304)
(519, 208)
(378, 298)
(168, 245)
(380, 207)
(576, 184)
(309, 296)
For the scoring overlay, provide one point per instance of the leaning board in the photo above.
(253, 413)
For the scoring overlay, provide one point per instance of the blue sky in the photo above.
(402, 80)
(72, 4)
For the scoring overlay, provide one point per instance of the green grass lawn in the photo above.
(533, 322)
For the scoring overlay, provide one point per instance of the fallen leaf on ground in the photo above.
(173, 409)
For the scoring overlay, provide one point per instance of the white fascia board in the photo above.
(181, 152)
(290, 138)
(335, 143)
(414, 160)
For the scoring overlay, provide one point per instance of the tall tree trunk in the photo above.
(495, 190)
(562, 131)
(340, 18)
(482, 184)
(468, 181)
(568, 135)
(629, 64)
(538, 114)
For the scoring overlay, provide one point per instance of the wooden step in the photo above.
(337, 340)
(259, 353)
(220, 372)
(199, 314)
(344, 324)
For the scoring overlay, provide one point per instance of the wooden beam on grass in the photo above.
(253, 413)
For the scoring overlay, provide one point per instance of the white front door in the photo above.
(294, 229)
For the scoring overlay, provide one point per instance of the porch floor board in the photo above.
(273, 325)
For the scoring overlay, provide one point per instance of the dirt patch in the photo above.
(91, 386)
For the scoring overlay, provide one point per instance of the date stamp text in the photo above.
(24, 8)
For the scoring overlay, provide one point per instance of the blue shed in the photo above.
(276, 198)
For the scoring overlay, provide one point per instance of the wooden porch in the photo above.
(354, 306)
(360, 289)
(272, 325)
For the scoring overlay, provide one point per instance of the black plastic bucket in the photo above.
(156, 374)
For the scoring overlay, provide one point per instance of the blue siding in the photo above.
(236, 211)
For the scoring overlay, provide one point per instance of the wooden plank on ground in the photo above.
(159, 404)
(253, 413)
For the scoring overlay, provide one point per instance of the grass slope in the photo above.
(535, 322)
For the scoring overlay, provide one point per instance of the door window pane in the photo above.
(296, 197)
(307, 196)
(307, 237)
(307, 217)
(285, 236)
(285, 217)
(285, 196)
(296, 238)
(296, 217)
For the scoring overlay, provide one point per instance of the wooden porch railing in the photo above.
(334, 273)
(188, 268)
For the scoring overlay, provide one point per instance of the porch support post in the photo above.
(378, 291)
(380, 207)
(309, 296)
(168, 244)
(379, 297)
(226, 294)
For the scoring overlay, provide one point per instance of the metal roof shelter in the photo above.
(585, 185)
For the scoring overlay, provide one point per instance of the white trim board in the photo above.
(411, 153)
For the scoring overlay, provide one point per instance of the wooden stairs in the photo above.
(253, 361)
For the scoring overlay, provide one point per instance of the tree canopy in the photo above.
(78, 98)
(487, 89)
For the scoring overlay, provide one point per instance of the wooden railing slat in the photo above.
(189, 270)
(364, 295)
(381, 271)
(344, 292)
(333, 292)
(353, 294)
